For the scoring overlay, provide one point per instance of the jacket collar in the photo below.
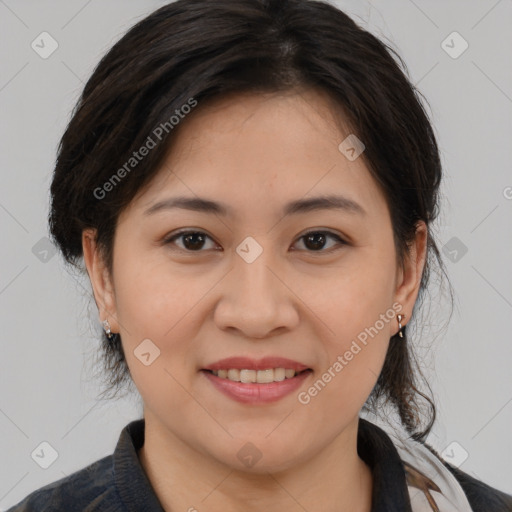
(373, 445)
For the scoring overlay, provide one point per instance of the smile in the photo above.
(259, 376)
(252, 391)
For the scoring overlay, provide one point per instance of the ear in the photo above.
(100, 278)
(409, 277)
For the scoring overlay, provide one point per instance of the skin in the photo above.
(255, 153)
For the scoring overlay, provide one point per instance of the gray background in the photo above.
(48, 392)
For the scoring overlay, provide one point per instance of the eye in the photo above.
(317, 239)
(194, 241)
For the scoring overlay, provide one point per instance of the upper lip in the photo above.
(245, 363)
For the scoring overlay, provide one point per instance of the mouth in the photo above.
(256, 387)
(250, 376)
(256, 381)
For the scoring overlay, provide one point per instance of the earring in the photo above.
(108, 332)
(400, 333)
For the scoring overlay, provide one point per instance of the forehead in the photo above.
(259, 150)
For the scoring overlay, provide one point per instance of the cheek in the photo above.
(358, 310)
(152, 298)
(358, 298)
(351, 365)
(156, 312)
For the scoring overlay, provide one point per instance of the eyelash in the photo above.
(170, 239)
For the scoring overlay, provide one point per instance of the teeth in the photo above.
(234, 375)
(289, 373)
(259, 376)
(248, 376)
(280, 374)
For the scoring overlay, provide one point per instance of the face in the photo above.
(318, 287)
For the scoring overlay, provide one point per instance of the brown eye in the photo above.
(192, 241)
(315, 241)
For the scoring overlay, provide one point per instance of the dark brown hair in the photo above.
(199, 50)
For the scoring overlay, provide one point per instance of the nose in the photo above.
(256, 300)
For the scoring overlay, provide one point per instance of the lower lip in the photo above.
(255, 393)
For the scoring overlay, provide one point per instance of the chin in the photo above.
(260, 454)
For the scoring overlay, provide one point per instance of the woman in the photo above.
(251, 185)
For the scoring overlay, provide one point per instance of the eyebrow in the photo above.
(198, 204)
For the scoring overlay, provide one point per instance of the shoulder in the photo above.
(428, 464)
(481, 497)
(87, 489)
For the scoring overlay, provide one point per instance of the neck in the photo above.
(334, 480)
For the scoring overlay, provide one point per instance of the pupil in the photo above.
(193, 236)
(315, 237)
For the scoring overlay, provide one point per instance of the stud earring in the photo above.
(108, 332)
